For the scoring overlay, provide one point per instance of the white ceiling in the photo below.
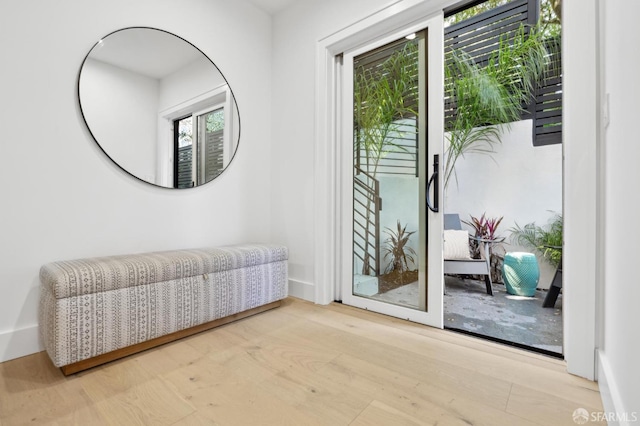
(272, 6)
(131, 50)
(145, 51)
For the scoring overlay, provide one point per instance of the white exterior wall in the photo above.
(62, 198)
(399, 202)
(520, 182)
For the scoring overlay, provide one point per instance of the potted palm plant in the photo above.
(397, 249)
(401, 256)
(486, 232)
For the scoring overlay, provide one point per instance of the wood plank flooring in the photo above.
(304, 364)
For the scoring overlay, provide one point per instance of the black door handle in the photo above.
(434, 179)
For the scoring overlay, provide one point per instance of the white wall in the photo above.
(62, 198)
(189, 82)
(120, 108)
(296, 32)
(519, 182)
(621, 348)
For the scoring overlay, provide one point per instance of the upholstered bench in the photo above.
(96, 310)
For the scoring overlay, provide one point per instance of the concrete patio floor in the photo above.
(467, 307)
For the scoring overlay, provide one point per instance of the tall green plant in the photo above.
(489, 97)
(382, 98)
(380, 102)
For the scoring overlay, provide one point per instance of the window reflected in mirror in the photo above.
(169, 122)
(183, 172)
(200, 154)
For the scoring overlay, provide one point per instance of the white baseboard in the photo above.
(19, 343)
(302, 290)
(610, 394)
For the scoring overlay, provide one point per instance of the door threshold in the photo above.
(507, 342)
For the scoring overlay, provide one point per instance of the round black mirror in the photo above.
(159, 107)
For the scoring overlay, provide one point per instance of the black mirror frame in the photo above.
(235, 103)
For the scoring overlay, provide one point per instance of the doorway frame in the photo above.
(582, 173)
(430, 308)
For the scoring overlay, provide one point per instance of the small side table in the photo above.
(520, 273)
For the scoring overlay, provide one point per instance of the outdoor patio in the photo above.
(516, 319)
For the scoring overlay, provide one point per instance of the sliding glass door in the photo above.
(392, 115)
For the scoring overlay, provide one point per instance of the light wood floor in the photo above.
(303, 364)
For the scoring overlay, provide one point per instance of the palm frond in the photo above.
(546, 241)
(489, 97)
(380, 101)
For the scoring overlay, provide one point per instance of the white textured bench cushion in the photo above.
(92, 275)
(86, 325)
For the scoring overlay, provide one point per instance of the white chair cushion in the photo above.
(456, 244)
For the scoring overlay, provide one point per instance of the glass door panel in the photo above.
(387, 143)
(390, 123)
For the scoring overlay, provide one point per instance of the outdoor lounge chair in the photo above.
(462, 263)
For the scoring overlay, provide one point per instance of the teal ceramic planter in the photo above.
(521, 273)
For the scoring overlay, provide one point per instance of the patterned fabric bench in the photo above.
(96, 310)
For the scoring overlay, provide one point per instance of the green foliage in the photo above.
(486, 228)
(490, 97)
(185, 132)
(551, 17)
(550, 14)
(465, 14)
(547, 241)
(396, 248)
(380, 101)
(215, 120)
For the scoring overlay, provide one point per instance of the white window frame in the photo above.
(220, 97)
